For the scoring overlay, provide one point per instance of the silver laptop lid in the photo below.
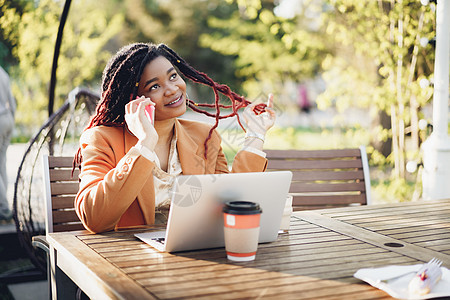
(195, 218)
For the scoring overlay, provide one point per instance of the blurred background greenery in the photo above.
(359, 60)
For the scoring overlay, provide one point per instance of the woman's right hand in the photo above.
(139, 124)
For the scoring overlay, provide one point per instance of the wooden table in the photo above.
(316, 259)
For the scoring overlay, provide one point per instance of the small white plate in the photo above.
(398, 286)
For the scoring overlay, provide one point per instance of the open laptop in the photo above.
(195, 218)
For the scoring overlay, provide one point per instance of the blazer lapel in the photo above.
(192, 162)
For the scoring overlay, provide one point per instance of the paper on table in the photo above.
(398, 286)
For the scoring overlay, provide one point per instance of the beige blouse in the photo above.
(164, 181)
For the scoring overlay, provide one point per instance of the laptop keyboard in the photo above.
(160, 240)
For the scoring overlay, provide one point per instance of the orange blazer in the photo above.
(116, 181)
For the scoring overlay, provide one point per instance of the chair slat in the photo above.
(67, 227)
(65, 216)
(64, 175)
(62, 202)
(64, 188)
(327, 175)
(302, 154)
(313, 164)
(311, 200)
(60, 162)
(299, 187)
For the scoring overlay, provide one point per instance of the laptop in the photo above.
(195, 217)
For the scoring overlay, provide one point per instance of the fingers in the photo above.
(269, 109)
(248, 111)
(249, 107)
(271, 112)
(138, 104)
(270, 101)
(143, 101)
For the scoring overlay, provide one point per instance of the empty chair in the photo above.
(324, 178)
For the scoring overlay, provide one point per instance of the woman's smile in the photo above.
(175, 103)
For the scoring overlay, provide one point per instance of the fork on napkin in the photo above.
(422, 281)
(426, 278)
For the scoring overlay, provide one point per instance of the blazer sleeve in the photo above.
(108, 184)
(244, 161)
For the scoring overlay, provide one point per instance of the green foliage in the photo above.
(269, 50)
(378, 63)
(371, 38)
(82, 57)
(179, 23)
(392, 190)
(6, 45)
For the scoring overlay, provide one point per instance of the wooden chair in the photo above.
(60, 188)
(60, 191)
(324, 178)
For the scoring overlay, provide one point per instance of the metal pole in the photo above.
(62, 22)
(51, 91)
(436, 149)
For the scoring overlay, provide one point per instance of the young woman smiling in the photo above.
(128, 162)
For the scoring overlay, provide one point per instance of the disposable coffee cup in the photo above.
(241, 229)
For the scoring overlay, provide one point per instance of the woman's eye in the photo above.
(173, 76)
(153, 87)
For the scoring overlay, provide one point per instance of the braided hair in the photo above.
(124, 71)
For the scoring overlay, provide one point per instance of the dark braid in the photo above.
(120, 85)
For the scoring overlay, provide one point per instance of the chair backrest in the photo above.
(60, 191)
(324, 178)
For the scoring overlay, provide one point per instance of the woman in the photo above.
(128, 162)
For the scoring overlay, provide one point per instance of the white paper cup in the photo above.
(287, 212)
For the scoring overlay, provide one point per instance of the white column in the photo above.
(436, 149)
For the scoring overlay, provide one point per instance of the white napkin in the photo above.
(398, 286)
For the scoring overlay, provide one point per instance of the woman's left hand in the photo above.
(260, 123)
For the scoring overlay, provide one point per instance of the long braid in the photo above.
(110, 110)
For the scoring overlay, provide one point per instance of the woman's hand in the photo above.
(259, 124)
(139, 124)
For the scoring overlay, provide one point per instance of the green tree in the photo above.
(179, 23)
(372, 55)
(6, 46)
(270, 50)
(33, 34)
(380, 64)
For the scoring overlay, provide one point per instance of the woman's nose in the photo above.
(171, 88)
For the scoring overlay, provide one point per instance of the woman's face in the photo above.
(161, 83)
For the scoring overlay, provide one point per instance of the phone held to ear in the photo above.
(150, 112)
